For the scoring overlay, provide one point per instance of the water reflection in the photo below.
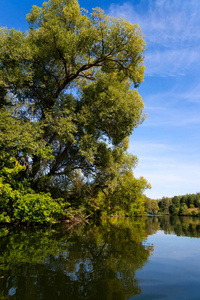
(92, 262)
(88, 262)
(181, 226)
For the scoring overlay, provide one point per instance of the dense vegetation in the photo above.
(67, 109)
(178, 205)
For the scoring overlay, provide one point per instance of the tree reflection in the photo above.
(181, 226)
(92, 262)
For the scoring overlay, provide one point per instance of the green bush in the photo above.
(21, 204)
(183, 210)
(37, 208)
(28, 207)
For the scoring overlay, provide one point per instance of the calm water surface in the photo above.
(141, 258)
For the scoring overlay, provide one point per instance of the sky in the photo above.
(167, 144)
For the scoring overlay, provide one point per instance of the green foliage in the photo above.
(176, 201)
(151, 206)
(183, 209)
(164, 204)
(197, 200)
(181, 205)
(68, 107)
(126, 198)
(19, 203)
(37, 208)
(98, 56)
(173, 210)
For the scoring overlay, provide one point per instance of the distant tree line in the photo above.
(188, 204)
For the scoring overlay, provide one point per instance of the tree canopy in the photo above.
(68, 96)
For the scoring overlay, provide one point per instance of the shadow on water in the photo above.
(88, 262)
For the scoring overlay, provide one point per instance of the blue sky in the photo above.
(168, 142)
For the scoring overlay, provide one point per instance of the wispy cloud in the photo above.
(167, 143)
(164, 22)
(172, 62)
(172, 33)
(192, 94)
(171, 118)
(171, 110)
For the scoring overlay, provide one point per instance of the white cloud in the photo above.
(167, 143)
(170, 62)
(178, 107)
(164, 22)
(192, 94)
(172, 118)
(172, 33)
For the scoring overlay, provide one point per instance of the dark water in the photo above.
(141, 258)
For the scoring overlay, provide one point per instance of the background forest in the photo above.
(178, 205)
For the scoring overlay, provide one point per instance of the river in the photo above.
(139, 258)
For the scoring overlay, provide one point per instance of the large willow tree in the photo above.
(69, 99)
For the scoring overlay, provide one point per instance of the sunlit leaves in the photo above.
(68, 97)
